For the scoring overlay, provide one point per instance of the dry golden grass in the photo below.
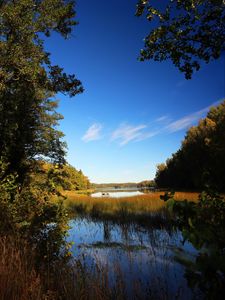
(189, 196)
(18, 279)
(139, 204)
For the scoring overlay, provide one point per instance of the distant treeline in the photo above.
(145, 183)
(65, 176)
(200, 162)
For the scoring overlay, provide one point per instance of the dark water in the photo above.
(145, 258)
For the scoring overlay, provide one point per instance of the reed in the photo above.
(20, 281)
(143, 204)
(18, 278)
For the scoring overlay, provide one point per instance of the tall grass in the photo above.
(18, 278)
(20, 281)
(136, 206)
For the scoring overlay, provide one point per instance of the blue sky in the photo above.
(132, 115)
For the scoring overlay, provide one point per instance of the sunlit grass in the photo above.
(141, 204)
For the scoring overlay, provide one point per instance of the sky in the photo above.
(132, 115)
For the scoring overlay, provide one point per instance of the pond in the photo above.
(144, 259)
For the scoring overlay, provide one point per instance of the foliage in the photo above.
(74, 179)
(28, 127)
(29, 81)
(115, 185)
(187, 32)
(145, 183)
(203, 224)
(200, 161)
(167, 196)
(60, 177)
(28, 121)
(30, 215)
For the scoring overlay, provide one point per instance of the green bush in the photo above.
(29, 214)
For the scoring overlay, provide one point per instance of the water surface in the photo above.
(144, 257)
(121, 192)
(117, 194)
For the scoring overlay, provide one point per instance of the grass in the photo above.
(83, 192)
(147, 210)
(136, 205)
(18, 278)
(20, 281)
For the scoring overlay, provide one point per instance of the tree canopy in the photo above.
(200, 162)
(187, 32)
(65, 177)
(29, 81)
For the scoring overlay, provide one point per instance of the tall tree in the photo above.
(29, 81)
(186, 31)
(200, 161)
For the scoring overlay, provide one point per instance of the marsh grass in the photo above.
(19, 280)
(143, 208)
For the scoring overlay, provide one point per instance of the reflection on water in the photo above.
(144, 257)
(117, 194)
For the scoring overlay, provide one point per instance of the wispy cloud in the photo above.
(188, 120)
(93, 133)
(162, 118)
(147, 135)
(127, 133)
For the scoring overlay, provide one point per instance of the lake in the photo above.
(147, 260)
(117, 194)
(120, 193)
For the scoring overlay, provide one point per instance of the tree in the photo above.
(29, 82)
(186, 31)
(200, 161)
(202, 223)
(64, 178)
